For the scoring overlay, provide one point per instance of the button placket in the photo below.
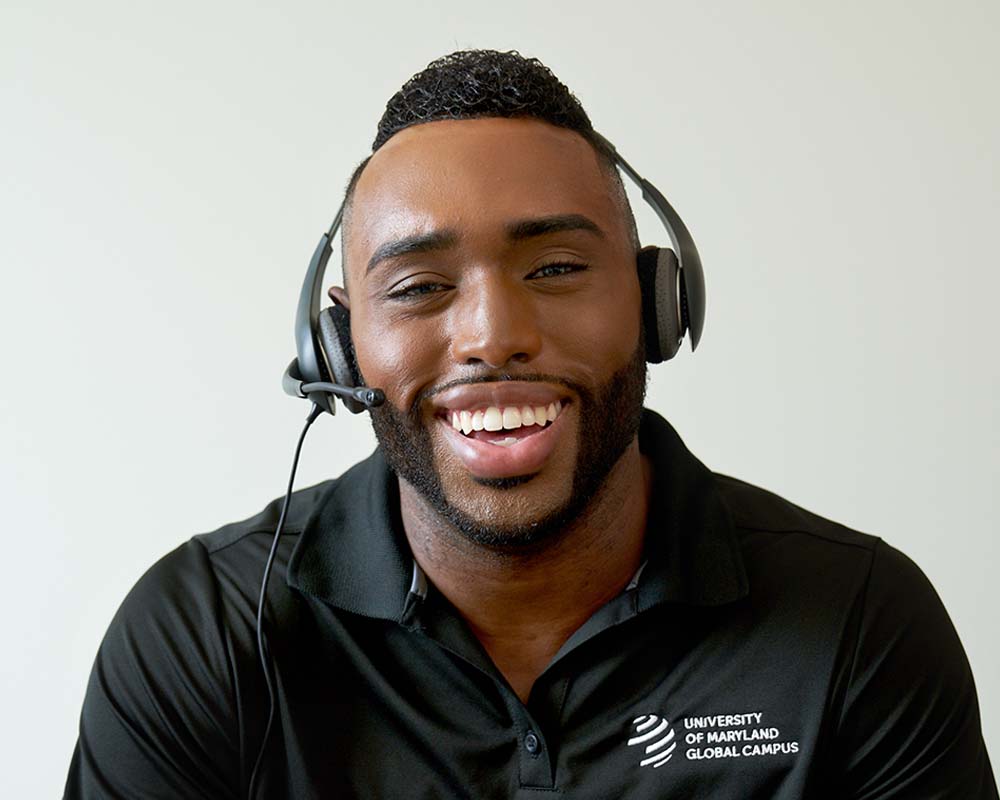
(536, 769)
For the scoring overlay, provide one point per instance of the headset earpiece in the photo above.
(662, 304)
(338, 350)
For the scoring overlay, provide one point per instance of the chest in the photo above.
(660, 705)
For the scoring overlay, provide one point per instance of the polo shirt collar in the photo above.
(692, 551)
(353, 554)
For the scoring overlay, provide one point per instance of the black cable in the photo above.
(313, 414)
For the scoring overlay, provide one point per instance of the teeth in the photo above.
(505, 442)
(510, 418)
(492, 419)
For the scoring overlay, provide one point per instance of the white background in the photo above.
(167, 169)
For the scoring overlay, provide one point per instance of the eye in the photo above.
(415, 291)
(557, 269)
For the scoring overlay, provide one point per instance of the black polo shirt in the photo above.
(761, 652)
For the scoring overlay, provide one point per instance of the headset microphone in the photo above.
(369, 398)
(293, 385)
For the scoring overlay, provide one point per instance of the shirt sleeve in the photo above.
(158, 718)
(910, 725)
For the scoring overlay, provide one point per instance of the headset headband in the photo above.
(691, 273)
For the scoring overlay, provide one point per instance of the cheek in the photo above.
(605, 333)
(395, 357)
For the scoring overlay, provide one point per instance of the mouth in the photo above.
(507, 425)
(503, 430)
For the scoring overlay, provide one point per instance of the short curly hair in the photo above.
(472, 84)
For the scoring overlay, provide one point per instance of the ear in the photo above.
(339, 296)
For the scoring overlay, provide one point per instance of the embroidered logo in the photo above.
(660, 737)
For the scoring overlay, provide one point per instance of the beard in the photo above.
(609, 417)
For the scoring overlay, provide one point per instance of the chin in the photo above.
(531, 495)
(510, 513)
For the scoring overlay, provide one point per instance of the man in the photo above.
(531, 586)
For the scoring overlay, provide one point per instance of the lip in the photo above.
(470, 397)
(528, 456)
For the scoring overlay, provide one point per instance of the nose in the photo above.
(495, 324)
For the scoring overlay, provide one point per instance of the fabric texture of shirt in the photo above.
(761, 652)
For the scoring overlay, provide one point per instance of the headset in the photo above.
(673, 305)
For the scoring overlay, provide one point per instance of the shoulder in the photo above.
(221, 567)
(303, 506)
(903, 710)
(176, 686)
(768, 524)
(781, 539)
(867, 591)
(756, 509)
(785, 543)
(197, 604)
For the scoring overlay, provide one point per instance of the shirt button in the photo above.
(531, 743)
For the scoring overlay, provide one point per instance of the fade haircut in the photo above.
(472, 84)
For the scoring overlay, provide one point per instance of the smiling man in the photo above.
(531, 586)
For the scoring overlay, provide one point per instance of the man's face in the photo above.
(492, 282)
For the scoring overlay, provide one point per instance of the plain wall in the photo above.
(167, 169)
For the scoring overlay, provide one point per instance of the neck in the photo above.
(524, 604)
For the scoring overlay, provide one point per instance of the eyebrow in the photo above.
(540, 226)
(418, 243)
(516, 231)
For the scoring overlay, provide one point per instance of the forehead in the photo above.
(475, 177)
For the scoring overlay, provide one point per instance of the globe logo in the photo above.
(660, 737)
